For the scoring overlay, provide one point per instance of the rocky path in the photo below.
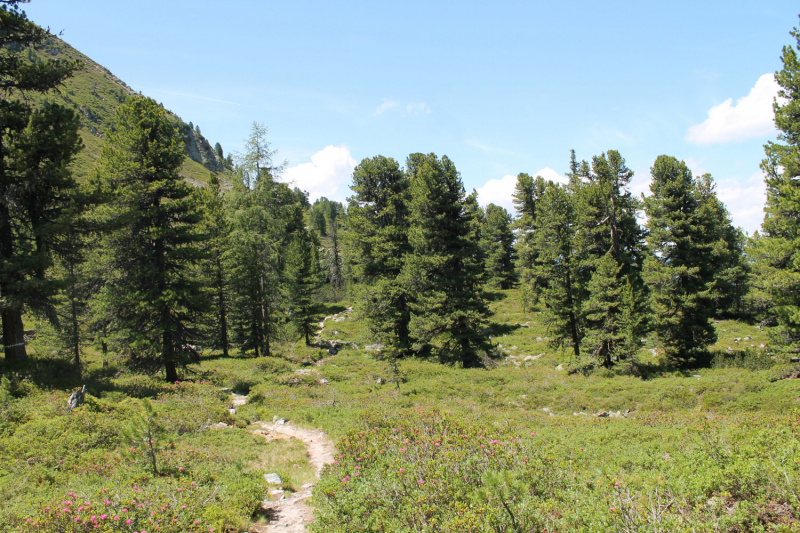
(293, 514)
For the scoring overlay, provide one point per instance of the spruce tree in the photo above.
(36, 186)
(377, 239)
(154, 248)
(497, 244)
(444, 271)
(680, 274)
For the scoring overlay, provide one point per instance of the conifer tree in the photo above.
(560, 262)
(680, 274)
(155, 244)
(302, 273)
(216, 227)
(612, 251)
(378, 221)
(36, 186)
(527, 194)
(256, 241)
(497, 244)
(731, 267)
(444, 271)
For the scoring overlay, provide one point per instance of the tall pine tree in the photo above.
(36, 186)
(155, 246)
(378, 222)
(778, 248)
(680, 274)
(444, 271)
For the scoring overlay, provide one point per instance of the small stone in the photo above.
(340, 319)
(273, 478)
(324, 381)
(379, 381)
(737, 339)
(232, 411)
(546, 409)
(513, 348)
(696, 376)
(794, 360)
(276, 495)
(560, 368)
(373, 347)
(748, 338)
(219, 425)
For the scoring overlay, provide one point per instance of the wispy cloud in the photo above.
(187, 95)
(386, 105)
(752, 116)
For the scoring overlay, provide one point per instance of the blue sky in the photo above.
(500, 88)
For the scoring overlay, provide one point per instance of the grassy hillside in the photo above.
(96, 93)
(523, 445)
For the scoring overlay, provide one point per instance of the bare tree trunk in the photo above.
(13, 335)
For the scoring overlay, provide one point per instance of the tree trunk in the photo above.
(223, 318)
(573, 322)
(171, 371)
(13, 335)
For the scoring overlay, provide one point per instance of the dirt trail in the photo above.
(292, 515)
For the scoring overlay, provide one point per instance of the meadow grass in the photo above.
(421, 446)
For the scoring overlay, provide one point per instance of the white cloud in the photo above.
(745, 201)
(752, 116)
(329, 169)
(499, 191)
(417, 108)
(387, 104)
(550, 174)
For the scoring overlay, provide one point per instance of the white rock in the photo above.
(273, 478)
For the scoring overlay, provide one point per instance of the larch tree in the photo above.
(154, 247)
(37, 144)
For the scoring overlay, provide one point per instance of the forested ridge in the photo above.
(594, 360)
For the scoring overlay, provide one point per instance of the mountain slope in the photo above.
(97, 93)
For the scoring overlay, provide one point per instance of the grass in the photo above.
(512, 446)
(96, 93)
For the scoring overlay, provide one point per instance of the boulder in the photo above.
(273, 478)
(76, 398)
